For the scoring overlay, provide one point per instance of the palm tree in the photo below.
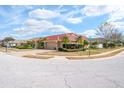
(80, 40)
(65, 40)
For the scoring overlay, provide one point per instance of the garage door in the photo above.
(51, 45)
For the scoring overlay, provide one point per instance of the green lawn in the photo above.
(79, 53)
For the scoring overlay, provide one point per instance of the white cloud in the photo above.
(89, 33)
(61, 9)
(97, 10)
(93, 33)
(41, 25)
(21, 28)
(75, 20)
(43, 14)
(70, 16)
(117, 14)
(5, 34)
(59, 28)
(31, 22)
(119, 24)
(32, 27)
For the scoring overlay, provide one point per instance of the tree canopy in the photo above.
(109, 32)
(65, 40)
(6, 39)
(80, 40)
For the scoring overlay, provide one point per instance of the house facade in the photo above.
(52, 42)
(15, 43)
(55, 41)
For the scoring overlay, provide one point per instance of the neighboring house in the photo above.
(16, 43)
(98, 40)
(55, 41)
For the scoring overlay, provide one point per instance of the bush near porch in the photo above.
(70, 50)
(72, 47)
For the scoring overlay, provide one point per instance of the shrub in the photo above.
(72, 46)
(86, 42)
(111, 45)
(40, 45)
(24, 47)
(95, 43)
(122, 43)
(93, 46)
(119, 44)
(105, 45)
(70, 50)
(29, 47)
(60, 49)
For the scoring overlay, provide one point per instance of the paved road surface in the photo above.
(61, 72)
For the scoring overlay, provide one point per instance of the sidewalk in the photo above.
(96, 55)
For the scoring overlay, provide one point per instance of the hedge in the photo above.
(24, 47)
(71, 50)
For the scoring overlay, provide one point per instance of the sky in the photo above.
(26, 22)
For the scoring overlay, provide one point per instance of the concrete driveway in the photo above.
(27, 52)
(60, 72)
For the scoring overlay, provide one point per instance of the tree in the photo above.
(86, 42)
(80, 40)
(111, 44)
(7, 39)
(65, 40)
(31, 43)
(95, 43)
(41, 40)
(109, 32)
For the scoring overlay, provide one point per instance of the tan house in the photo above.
(55, 41)
(49, 42)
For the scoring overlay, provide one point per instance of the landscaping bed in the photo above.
(39, 56)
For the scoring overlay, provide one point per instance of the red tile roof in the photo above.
(84, 37)
(71, 36)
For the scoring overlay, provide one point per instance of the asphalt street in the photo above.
(59, 72)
